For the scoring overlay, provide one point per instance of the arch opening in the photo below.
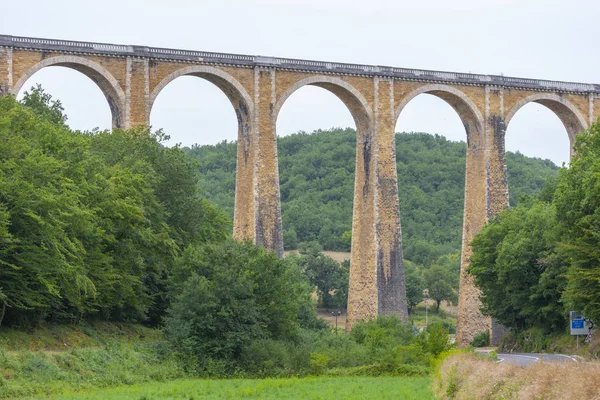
(467, 111)
(431, 162)
(443, 206)
(416, 117)
(83, 101)
(546, 104)
(236, 198)
(545, 131)
(102, 79)
(225, 83)
(317, 179)
(194, 112)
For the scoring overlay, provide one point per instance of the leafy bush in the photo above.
(481, 339)
(230, 294)
(435, 339)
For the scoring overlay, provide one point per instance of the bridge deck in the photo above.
(295, 64)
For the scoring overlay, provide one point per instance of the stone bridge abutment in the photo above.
(131, 78)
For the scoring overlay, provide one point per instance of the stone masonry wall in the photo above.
(390, 266)
(6, 74)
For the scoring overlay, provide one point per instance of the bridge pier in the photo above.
(486, 195)
(137, 93)
(470, 319)
(388, 236)
(268, 229)
(6, 79)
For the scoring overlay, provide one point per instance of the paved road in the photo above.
(524, 359)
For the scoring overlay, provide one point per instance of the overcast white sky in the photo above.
(549, 39)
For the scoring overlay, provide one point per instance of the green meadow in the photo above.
(292, 388)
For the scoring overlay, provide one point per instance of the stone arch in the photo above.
(243, 220)
(468, 112)
(234, 90)
(357, 104)
(363, 296)
(572, 119)
(105, 80)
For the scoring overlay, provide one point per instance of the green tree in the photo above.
(227, 295)
(41, 103)
(577, 201)
(91, 223)
(515, 266)
(330, 278)
(414, 285)
(438, 281)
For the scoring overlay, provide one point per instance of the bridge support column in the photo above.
(137, 94)
(486, 195)
(470, 319)
(363, 300)
(267, 221)
(6, 76)
(244, 225)
(497, 177)
(388, 237)
(376, 271)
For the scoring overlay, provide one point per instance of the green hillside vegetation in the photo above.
(317, 183)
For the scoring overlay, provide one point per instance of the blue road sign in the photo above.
(577, 324)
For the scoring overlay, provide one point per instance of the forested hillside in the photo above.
(317, 183)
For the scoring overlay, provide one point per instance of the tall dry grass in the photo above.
(465, 376)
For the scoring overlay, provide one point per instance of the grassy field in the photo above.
(293, 388)
(59, 358)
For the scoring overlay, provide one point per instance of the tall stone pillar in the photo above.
(390, 266)
(244, 209)
(137, 94)
(363, 299)
(495, 127)
(593, 111)
(496, 172)
(470, 319)
(6, 75)
(268, 230)
(486, 195)
(376, 270)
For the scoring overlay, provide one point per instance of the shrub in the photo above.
(230, 295)
(435, 339)
(318, 363)
(481, 339)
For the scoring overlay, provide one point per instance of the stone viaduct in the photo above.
(131, 77)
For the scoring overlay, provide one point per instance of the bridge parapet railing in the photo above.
(203, 55)
(556, 85)
(55, 44)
